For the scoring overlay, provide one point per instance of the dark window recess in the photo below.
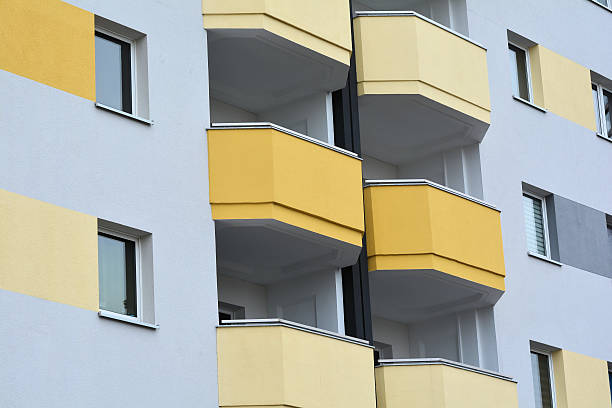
(113, 72)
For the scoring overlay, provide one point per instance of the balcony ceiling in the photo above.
(257, 70)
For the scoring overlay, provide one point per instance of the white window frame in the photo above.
(133, 66)
(548, 354)
(607, 6)
(544, 222)
(528, 69)
(602, 111)
(138, 261)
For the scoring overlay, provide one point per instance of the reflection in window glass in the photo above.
(541, 380)
(518, 65)
(597, 109)
(117, 274)
(113, 73)
(604, 2)
(606, 106)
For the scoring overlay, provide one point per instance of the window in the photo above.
(119, 274)
(114, 71)
(519, 64)
(601, 102)
(541, 367)
(610, 380)
(603, 2)
(536, 225)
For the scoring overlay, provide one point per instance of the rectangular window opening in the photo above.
(601, 104)
(536, 225)
(541, 367)
(114, 72)
(519, 64)
(119, 273)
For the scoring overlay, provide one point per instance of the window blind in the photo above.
(534, 225)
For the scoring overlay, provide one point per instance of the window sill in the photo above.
(607, 139)
(543, 258)
(115, 316)
(601, 5)
(125, 114)
(526, 102)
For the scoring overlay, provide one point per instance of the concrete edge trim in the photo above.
(543, 258)
(114, 316)
(422, 17)
(268, 125)
(122, 113)
(528, 103)
(292, 325)
(424, 182)
(442, 361)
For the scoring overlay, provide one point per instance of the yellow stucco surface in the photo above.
(580, 381)
(440, 386)
(51, 42)
(409, 55)
(422, 227)
(284, 367)
(562, 86)
(48, 251)
(327, 33)
(267, 174)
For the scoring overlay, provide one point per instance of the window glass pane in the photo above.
(610, 379)
(541, 380)
(518, 65)
(117, 275)
(108, 73)
(534, 225)
(597, 111)
(607, 96)
(604, 2)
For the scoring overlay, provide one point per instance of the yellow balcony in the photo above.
(280, 364)
(264, 53)
(422, 87)
(437, 383)
(431, 250)
(283, 203)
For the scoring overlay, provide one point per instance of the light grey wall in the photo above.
(582, 236)
(59, 148)
(564, 306)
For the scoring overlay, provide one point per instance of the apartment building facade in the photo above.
(323, 203)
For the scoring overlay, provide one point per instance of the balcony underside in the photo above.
(410, 296)
(266, 251)
(398, 128)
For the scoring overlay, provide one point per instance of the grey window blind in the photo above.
(534, 225)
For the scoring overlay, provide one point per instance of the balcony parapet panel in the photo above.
(276, 363)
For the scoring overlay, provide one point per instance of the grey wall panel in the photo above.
(582, 236)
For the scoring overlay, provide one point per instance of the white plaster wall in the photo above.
(394, 333)
(374, 169)
(308, 299)
(563, 307)
(221, 112)
(435, 338)
(245, 294)
(307, 116)
(59, 148)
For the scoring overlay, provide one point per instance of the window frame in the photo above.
(548, 355)
(138, 278)
(544, 222)
(602, 111)
(133, 88)
(528, 71)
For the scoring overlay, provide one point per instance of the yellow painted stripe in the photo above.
(50, 42)
(438, 263)
(48, 251)
(290, 216)
(562, 86)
